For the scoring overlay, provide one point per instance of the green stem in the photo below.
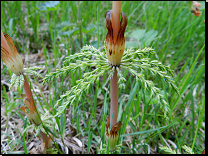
(79, 24)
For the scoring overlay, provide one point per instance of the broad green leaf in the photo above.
(131, 44)
(149, 37)
(138, 34)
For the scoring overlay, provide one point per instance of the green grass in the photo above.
(180, 43)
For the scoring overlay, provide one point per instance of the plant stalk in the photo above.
(79, 23)
(27, 89)
(114, 80)
(116, 18)
(114, 98)
(29, 96)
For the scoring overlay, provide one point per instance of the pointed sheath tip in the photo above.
(113, 137)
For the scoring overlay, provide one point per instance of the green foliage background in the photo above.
(176, 35)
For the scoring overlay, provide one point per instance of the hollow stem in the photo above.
(29, 96)
(114, 98)
(114, 80)
(27, 88)
(116, 18)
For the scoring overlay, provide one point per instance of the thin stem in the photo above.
(29, 96)
(27, 88)
(114, 98)
(79, 23)
(114, 80)
(116, 18)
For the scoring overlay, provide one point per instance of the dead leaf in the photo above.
(33, 151)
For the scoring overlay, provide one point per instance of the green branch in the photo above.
(132, 61)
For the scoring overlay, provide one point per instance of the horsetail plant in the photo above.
(13, 61)
(111, 62)
(115, 46)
